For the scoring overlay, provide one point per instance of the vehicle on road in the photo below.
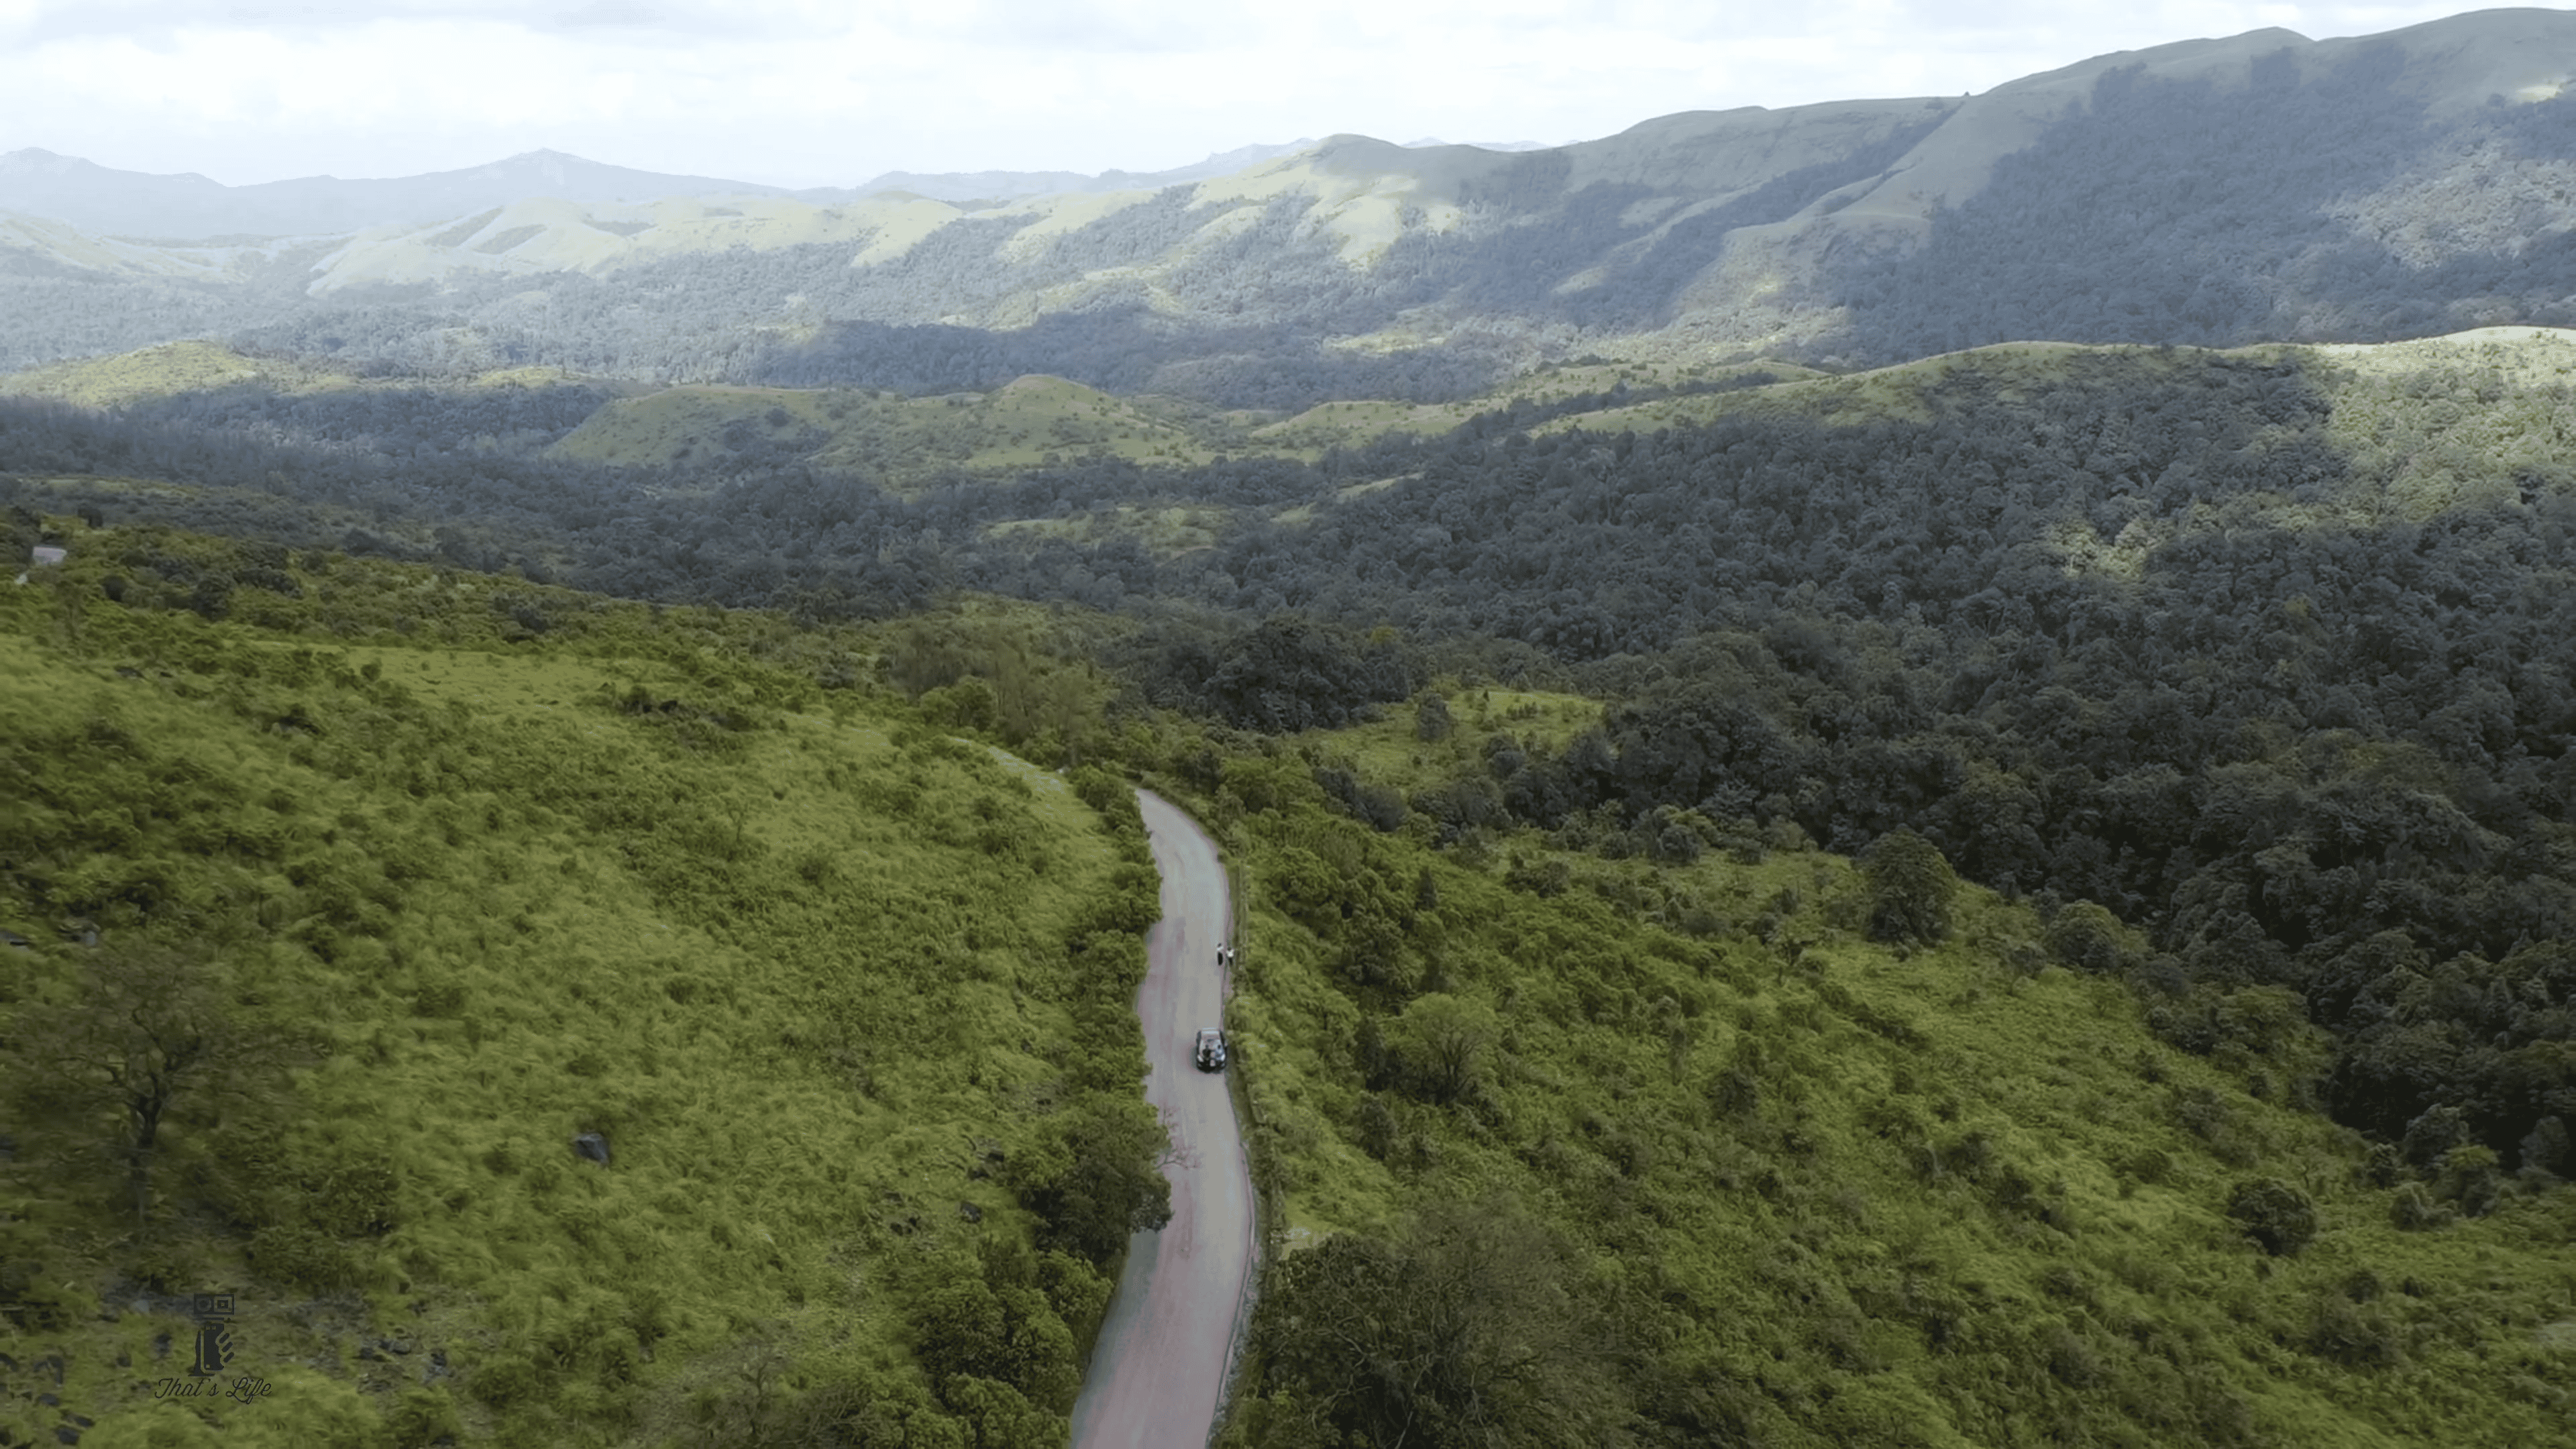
(1210, 1053)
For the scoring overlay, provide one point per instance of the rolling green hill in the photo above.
(399, 881)
(903, 440)
(179, 368)
(1623, 1138)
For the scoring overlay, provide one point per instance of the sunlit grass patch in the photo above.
(814, 975)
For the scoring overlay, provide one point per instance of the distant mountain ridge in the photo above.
(189, 207)
(2214, 192)
(956, 186)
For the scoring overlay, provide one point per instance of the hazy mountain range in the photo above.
(2209, 191)
(953, 186)
(189, 207)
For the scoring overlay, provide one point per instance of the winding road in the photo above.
(1159, 1368)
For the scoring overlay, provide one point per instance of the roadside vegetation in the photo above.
(554, 1022)
(1688, 1133)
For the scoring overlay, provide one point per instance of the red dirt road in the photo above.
(1161, 1360)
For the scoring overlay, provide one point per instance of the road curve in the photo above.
(1160, 1364)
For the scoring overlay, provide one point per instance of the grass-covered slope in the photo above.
(178, 369)
(395, 913)
(1020, 425)
(1682, 1134)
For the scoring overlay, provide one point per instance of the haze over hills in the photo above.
(2217, 192)
(1421, 142)
(1009, 185)
(189, 207)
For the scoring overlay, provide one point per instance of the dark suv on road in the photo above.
(1210, 1053)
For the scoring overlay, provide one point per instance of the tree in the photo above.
(1003, 1332)
(1431, 722)
(150, 1030)
(1443, 1041)
(1911, 888)
(2089, 938)
(1461, 1328)
(1098, 1178)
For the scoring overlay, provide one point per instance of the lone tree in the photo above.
(1432, 722)
(2278, 1217)
(148, 1029)
(1911, 888)
(1443, 1041)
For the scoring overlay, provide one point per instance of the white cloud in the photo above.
(800, 93)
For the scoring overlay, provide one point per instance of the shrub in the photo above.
(507, 1379)
(1431, 722)
(2413, 1210)
(968, 704)
(1376, 1126)
(1105, 793)
(2469, 1178)
(2353, 1335)
(2278, 1217)
(1445, 1041)
(354, 1197)
(2070, 1359)
(2207, 1116)
(300, 1257)
(2547, 1148)
(422, 1417)
(1097, 1177)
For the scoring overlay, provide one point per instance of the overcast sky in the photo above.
(831, 94)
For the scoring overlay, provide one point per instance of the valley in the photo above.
(1894, 773)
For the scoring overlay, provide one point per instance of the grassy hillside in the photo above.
(176, 369)
(2479, 400)
(1040, 421)
(1664, 1136)
(1349, 424)
(902, 440)
(402, 880)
